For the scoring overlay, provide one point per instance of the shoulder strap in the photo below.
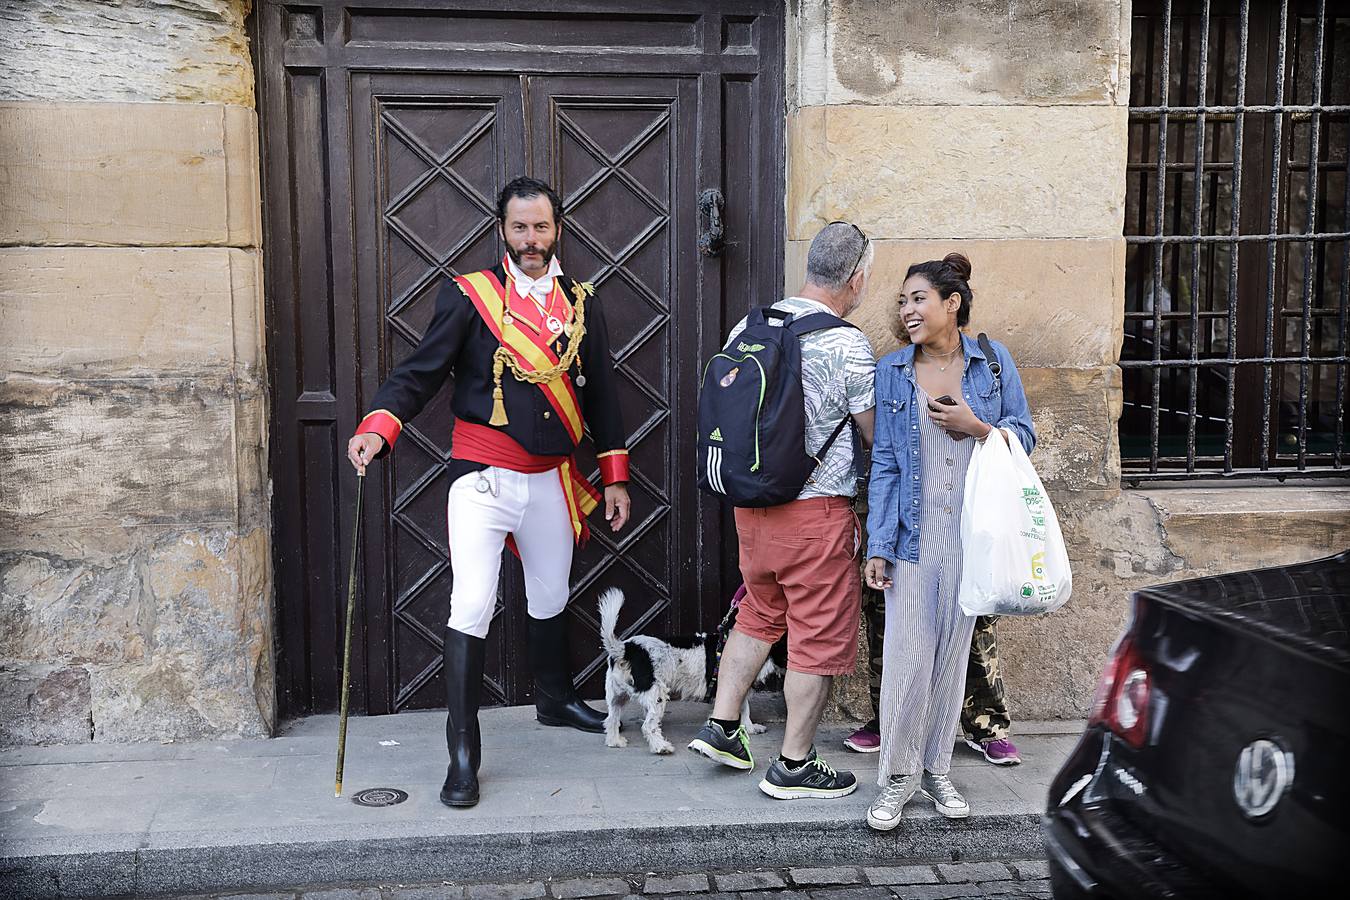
(803, 325)
(800, 325)
(989, 355)
(838, 430)
(824, 448)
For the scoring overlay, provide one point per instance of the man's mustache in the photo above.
(545, 252)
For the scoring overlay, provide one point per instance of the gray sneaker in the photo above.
(815, 778)
(947, 800)
(731, 750)
(884, 813)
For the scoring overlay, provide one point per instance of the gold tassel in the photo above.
(498, 403)
(498, 409)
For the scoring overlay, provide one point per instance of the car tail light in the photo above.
(1121, 701)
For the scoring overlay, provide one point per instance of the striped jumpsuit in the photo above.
(927, 634)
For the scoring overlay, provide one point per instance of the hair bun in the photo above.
(959, 264)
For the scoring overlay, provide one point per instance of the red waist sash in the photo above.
(493, 447)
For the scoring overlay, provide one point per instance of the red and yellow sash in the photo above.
(532, 350)
(489, 297)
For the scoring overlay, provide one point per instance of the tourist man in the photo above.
(799, 559)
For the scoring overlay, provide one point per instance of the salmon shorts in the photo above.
(799, 562)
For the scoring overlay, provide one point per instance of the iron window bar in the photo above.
(1234, 111)
(1162, 114)
(1321, 237)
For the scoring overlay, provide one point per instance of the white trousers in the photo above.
(484, 507)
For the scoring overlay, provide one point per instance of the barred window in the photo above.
(1237, 256)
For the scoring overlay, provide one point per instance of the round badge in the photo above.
(507, 319)
(554, 325)
(580, 380)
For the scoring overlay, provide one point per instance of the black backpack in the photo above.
(751, 417)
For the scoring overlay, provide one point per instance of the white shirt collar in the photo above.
(525, 285)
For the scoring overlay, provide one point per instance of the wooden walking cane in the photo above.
(347, 640)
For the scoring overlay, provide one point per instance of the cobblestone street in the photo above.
(942, 881)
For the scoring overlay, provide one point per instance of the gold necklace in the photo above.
(937, 356)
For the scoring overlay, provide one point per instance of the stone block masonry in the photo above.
(135, 574)
(129, 174)
(192, 51)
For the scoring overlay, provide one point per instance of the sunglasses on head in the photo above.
(865, 242)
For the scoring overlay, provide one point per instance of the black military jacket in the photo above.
(458, 342)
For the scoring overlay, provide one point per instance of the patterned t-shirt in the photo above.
(838, 376)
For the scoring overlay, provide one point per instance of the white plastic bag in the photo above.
(1013, 560)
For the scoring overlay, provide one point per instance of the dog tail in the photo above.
(611, 601)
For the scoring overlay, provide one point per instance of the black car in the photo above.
(1215, 759)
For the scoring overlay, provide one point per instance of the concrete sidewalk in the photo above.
(97, 819)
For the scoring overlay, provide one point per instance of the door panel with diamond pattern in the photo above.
(443, 147)
(385, 149)
(610, 147)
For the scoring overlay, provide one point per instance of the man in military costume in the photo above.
(529, 352)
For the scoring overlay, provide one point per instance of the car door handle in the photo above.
(712, 234)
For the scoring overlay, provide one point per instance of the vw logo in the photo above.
(1264, 772)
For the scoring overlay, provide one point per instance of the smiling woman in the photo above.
(943, 277)
(931, 397)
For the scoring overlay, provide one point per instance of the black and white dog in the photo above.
(654, 670)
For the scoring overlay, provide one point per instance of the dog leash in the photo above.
(715, 657)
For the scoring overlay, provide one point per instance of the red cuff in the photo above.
(383, 423)
(613, 466)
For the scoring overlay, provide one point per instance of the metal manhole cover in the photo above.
(379, 797)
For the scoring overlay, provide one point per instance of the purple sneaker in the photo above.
(1000, 752)
(866, 739)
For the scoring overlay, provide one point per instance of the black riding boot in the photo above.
(463, 684)
(555, 699)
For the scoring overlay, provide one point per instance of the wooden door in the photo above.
(383, 160)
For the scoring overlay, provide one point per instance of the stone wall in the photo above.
(135, 576)
(998, 128)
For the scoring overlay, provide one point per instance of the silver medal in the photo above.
(507, 319)
(580, 380)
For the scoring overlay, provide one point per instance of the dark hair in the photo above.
(527, 188)
(949, 275)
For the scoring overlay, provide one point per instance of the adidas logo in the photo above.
(716, 435)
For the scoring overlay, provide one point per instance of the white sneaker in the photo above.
(884, 813)
(947, 800)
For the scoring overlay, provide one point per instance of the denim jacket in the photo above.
(893, 494)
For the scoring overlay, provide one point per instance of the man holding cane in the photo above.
(529, 352)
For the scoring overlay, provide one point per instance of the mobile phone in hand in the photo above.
(945, 400)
